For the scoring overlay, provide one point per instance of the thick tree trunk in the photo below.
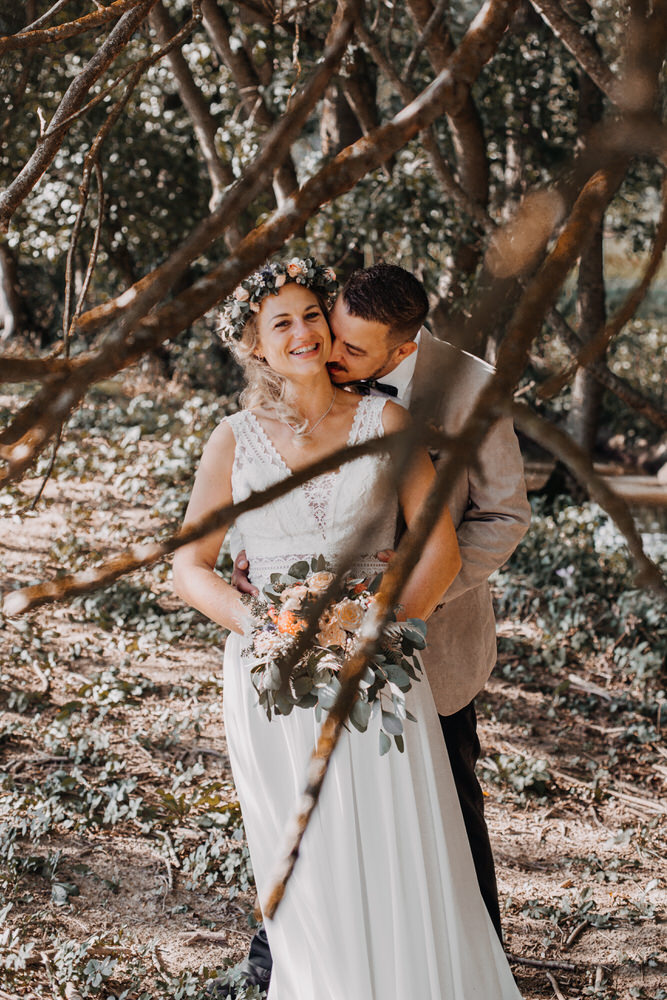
(248, 81)
(339, 126)
(203, 122)
(11, 308)
(468, 139)
(587, 391)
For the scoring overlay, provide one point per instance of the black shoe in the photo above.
(238, 983)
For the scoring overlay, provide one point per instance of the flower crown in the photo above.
(247, 297)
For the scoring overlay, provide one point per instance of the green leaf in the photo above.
(284, 705)
(398, 676)
(400, 743)
(392, 723)
(327, 695)
(385, 743)
(273, 677)
(360, 715)
(299, 570)
(302, 686)
(61, 891)
(412, 638)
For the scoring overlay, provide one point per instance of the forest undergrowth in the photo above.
(123, 866)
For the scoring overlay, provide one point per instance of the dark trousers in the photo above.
(460, 732)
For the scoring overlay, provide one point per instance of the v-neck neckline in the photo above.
(269, 441)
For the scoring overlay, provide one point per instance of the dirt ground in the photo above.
(137, 880)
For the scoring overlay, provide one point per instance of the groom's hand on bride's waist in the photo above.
(240, 575)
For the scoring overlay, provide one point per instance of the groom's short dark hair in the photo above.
(388, 294)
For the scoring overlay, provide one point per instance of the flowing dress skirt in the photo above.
(384, 902)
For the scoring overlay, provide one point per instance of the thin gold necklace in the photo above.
(309, 430)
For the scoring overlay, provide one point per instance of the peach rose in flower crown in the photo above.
(241, 294)
(294, 268)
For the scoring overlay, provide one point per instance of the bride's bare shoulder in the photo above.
(394, 417)
(221, 444)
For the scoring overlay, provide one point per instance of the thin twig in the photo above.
(31, 38)
(555, 987)
(423, 40)
(540, 963)
(627, 393)
(47, 475)
(576, 933)
(205, 937)
(51, 12)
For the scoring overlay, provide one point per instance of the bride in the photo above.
(384, 902)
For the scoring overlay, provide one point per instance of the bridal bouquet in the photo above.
(313, 683)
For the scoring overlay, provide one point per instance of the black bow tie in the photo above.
(364, 387)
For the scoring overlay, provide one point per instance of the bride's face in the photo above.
(293, 333)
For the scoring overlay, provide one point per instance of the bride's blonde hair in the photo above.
(265, 387)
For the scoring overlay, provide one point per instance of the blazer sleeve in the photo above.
(498, 512)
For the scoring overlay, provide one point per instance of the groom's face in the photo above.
(361, 347)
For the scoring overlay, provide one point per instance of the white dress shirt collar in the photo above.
(401, 376)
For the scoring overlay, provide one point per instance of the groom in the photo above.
(381, 346)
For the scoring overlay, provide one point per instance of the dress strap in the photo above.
(252, 444)
(367, 423)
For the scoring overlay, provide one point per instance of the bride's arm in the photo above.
(440, 560)
(195, 579)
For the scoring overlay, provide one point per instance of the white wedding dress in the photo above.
(383, 903)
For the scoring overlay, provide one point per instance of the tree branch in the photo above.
(621, 388)
(203, 123)
(51, 141)
(438, 13)
(594, 349)
(567, 31)
(491, 403)
(137, 300)
(444, 175)
(32, 369)
(30, 38)
(148, 553)
(248, 82)
(51, 12)
(561, 445)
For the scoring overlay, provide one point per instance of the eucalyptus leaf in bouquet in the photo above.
(284, 612)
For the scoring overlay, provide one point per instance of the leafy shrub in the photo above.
(573, 577)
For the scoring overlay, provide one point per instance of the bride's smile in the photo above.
(293, 334)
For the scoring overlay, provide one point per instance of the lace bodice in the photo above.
(357, 503)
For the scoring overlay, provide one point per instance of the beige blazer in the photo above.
(491, 513)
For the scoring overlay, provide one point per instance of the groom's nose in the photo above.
(336, 353)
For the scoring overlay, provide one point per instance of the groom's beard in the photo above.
(341, 376)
